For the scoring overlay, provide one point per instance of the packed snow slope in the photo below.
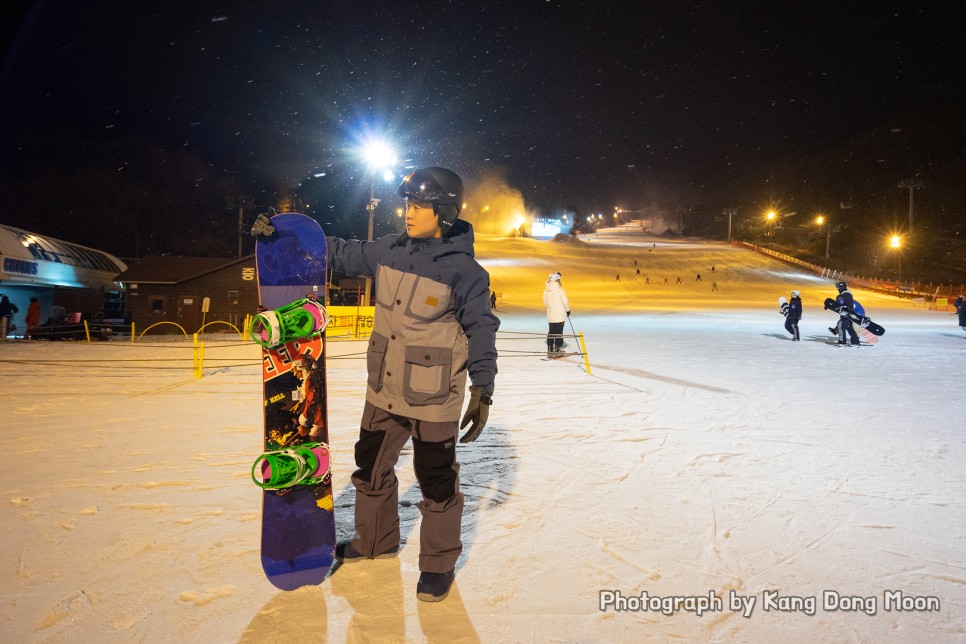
(792, 492)
(591, 265)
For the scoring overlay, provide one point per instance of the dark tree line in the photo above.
(128, 197)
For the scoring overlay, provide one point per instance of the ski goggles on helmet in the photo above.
(421, 187)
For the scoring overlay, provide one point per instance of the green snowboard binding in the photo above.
(306, 464)
(301, 319)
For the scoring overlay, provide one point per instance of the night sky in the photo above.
(577, 104)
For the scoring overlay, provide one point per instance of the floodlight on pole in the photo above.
(820, 220)
(895, 242)
(379, 156)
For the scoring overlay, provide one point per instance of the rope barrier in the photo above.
(199, 346)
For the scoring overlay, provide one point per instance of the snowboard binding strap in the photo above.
(306, 464)
(301, 319)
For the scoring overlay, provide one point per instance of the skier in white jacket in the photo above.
(558, 310)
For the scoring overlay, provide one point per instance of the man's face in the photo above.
(421, 221)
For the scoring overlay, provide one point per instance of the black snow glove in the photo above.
(477, 412)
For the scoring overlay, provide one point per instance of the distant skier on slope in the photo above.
(558, 310)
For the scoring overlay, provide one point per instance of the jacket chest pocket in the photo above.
(430, 299)
(427, 375)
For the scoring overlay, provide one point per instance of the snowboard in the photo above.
(298, 521)
(865, 324)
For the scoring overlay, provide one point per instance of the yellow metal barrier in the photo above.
(199, 357)
(159, 324)
(200, 329)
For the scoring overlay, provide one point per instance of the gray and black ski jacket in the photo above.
(433, 322)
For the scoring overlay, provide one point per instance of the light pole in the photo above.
(820, 220)
(731, 212)
(771, 217)
(774, 216)
(911, 184)
(379, 157)
(896, 242)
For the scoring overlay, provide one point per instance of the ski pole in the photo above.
(573, 330)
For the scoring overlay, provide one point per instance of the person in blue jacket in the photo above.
(845, 305)
(433, 328)
(960, 305)
(793, 315)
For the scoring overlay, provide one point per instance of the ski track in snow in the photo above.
(705, 452)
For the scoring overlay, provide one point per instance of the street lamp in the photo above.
(820, 220)
(896, 242)
(380, 157)
(772, 216)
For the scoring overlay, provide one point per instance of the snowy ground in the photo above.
(705, 453)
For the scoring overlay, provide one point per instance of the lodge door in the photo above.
(188, 307)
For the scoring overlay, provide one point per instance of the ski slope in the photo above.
(705, 455)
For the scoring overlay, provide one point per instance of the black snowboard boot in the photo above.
(345, 553)
(434, 586)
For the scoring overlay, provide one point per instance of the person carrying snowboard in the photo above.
(792, 310)
(845, 305)
(558, 310)
(433, 327)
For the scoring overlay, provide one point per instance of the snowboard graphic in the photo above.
(298, 522)
(869, 330)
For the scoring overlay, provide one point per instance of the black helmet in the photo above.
(841, 286)
(442, 187)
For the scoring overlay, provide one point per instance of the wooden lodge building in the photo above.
(173, 289)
